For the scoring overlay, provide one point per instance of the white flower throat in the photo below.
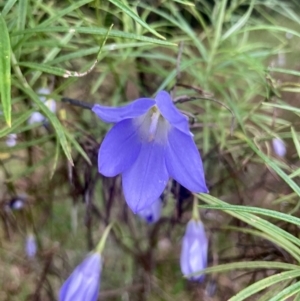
(153, 126)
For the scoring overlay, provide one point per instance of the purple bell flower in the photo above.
(151, 214)
(279, 147)
(193, 257)
(30, 246)
(84, 283)
(149, 143)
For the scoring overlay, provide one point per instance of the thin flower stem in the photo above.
(78, 103)
(102, 242)
(195, 214)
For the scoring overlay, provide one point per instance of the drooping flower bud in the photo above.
(30, 246)
(84, 282)
(194, 251)
(279, 147)
(11, 140)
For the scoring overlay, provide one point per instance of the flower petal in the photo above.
(146, 179)
(171, 113)
(119, 149)
(134, 109)
(183, 161)
(152, 213)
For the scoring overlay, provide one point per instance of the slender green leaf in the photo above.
(94, 31)
(283, 107)
(296, 140)
(78, 147)
(46, 68)
(264, 283)
(240, 23)
(244, 265)
(267, 212)
(185, 2)
(271, 163)
(8, 5)
(287, 292)
(21, 21)
(284, 239)
(285, 71)
(274, 290)
(5, 72)
(16, 123)
(60, 13)
(127, 10)
(56, 156)
(54, 121)
(297, 298)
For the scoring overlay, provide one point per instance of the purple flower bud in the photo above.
(84, 283)
(36, 117)
(193, 257)
(151, 214)
(279, 147)
(17, 203)
(11, 140)
(30, 246)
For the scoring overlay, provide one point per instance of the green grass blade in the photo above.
(8, 5)
(271, 163)
(16, 123)
(267, 212)
(241, 22)
(283, 107)
(244, 265)
(296, 140)
(127, 10)
(60, 133)
(78, 147)
(65, 11)
(94, 31)
(21, 21)
(264, 283)
(47, 69)
(287, 292)
(284, 239)
(5, 72)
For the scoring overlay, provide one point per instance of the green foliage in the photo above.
(227, 57)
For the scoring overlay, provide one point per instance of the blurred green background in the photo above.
(239, 62)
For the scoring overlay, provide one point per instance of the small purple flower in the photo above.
(11, 140)
(30, 246)
(279, 147)
(151, 214)
(37, 117)
(84, 283)
(149, 143)
(193, 257)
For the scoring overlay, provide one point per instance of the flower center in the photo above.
(154, 123)
(153, 126)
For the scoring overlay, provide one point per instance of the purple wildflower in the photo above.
(149, 143)
(30, 246)
(84, 283)
(11, 140)
(152, 214)
(194, 251)
(37, 117)
(279, 147)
